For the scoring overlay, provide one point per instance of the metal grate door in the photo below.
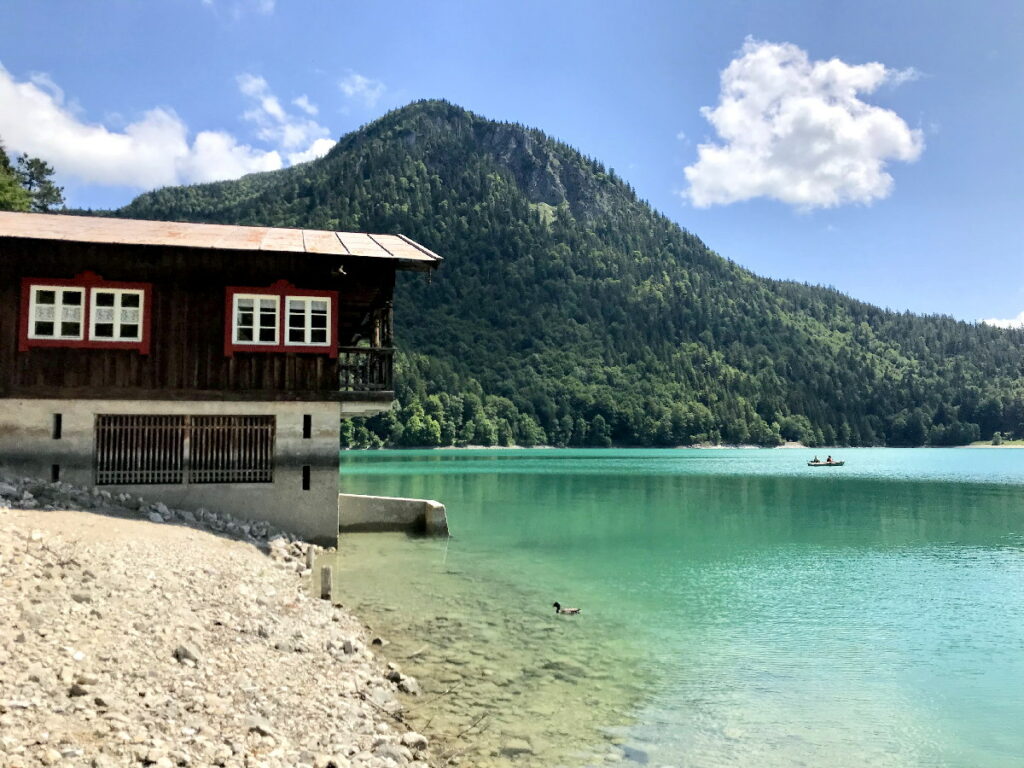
(140, 450)
(232, 449)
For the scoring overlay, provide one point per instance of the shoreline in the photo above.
(114, 650)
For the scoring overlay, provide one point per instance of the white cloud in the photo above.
(274, 124)
(796, 131)
(152, 151)
(681, 136)
(303, 103)
(356, 86)
(1012, 322)
(898, 77)
(318, 148)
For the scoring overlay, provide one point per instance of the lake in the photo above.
(738, 607)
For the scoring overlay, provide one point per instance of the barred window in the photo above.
(159, 450)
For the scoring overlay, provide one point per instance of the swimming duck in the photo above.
(567, 611)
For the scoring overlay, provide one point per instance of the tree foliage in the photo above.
(27, 186)
(569, 312)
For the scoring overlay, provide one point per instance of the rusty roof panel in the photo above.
(95, 229)
(361, 243)
(318, 241)
(286, 240)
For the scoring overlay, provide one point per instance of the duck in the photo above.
(566, 611)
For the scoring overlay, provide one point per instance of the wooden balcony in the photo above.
(366, 369)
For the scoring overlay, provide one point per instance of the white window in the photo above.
(255, 319)
(116, 314)
(308, 321)
(56, 313)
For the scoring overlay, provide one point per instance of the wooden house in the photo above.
(197, 364)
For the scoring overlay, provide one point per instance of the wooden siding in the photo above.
(186, 359)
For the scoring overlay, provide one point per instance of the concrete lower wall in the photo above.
(386, 513)
(28, 448)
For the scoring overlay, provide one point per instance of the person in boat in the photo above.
(828, 460)
(816, 461)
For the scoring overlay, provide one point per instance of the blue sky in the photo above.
(872, 146)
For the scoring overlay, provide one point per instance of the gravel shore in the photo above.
(133, 634)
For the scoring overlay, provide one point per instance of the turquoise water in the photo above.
(739, 608)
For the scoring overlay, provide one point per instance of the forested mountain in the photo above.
(569, 312)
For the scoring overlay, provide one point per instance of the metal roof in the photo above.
(95, 229)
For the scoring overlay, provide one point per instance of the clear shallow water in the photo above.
(740, 608)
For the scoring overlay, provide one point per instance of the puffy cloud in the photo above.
(289, 131)
(318, 148)
(797, 131)
(150, 152)
(1012, 322)
(357, 86)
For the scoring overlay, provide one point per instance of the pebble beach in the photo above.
(132, 634)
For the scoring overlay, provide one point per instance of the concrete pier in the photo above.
(386, 513)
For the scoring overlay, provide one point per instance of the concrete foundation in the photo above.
(29, 447)
(386, 513)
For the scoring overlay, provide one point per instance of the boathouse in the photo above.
(197, 364)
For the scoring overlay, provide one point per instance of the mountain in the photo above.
(569, 312)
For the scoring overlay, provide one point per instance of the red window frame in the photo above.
(281, 289)
(87, 281)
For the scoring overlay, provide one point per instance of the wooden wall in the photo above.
(187, 358)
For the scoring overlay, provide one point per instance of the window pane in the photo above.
(71, 314)
(244, 319)
(103, 330)
(45, 297)
(130, 316)
(245, 304)
(70, 329)
(319, 321)
(129, 331)
(130, 300)
(268, 319)
(318, 336)
(104, 299)
(296, 335)
(44, 329)
(45, 313)
(319, 306)
(296, 320)
(295, 306)
(72, 297)
(267, 334)
(268, 305)
(104, 314)
(245, 334)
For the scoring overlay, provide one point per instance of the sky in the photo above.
(875, 147)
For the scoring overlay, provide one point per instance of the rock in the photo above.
(414, 741)
(515, 747)
(185, 653)
(259, 725)
(155, 517)
(77, 690)
(81, 597)
(409, 685)
(8, 491)
(395, 752)
(35, 535)
(50, 757)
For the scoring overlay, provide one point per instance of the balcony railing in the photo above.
(366, 369)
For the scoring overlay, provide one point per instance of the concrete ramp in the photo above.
(387, 513)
